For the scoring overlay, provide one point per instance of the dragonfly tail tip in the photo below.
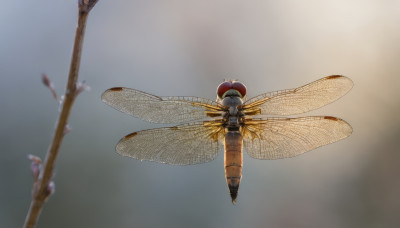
(233, 189)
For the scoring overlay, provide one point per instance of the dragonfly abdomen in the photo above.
(233, 161)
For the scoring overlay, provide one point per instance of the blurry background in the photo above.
(180, 47)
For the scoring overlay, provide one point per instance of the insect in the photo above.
(205, 126)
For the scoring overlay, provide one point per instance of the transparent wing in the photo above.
(186, 144)
(303, 99)
(274, 138)
(160, 109)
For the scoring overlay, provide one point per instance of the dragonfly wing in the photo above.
(303, 99)
(160, 109)
(186, 144)
(275, 138)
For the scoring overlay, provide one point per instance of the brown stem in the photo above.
(41, 189)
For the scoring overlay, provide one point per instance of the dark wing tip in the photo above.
(106, 93)
(331, 118)
(116, 89)
(345, 82)
(340, 77)
(334, 76)
(346, 127)
(130, 135)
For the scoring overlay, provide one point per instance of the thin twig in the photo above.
(46, 81)
(43, 186)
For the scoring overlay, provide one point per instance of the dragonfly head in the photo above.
(231, 88)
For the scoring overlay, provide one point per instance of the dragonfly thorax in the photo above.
(232, 114)
(232, 102)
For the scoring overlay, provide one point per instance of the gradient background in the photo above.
(181, 47)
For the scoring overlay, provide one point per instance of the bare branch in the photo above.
(43, 185)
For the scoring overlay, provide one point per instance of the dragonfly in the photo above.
(204, 127)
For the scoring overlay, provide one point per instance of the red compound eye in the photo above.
(239, 87)
(223, 87)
